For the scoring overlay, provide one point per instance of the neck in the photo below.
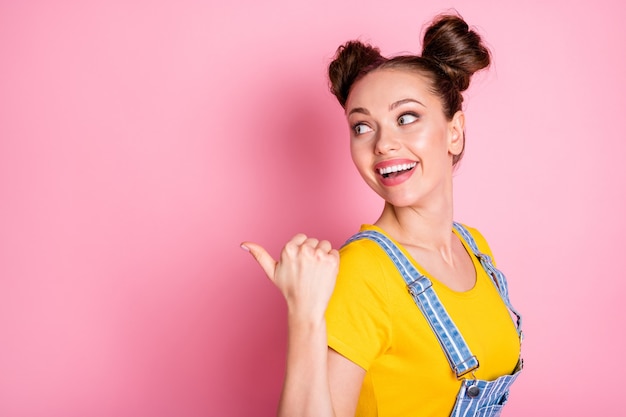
(428, 226)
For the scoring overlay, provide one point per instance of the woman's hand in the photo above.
(305, 273)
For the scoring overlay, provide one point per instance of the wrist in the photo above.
(306, 320)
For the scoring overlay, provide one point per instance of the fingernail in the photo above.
(244, 247)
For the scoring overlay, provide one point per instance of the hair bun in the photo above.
(458, 50)
(352, 59)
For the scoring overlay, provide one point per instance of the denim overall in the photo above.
(476, 398)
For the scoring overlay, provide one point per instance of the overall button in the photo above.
(473, 391)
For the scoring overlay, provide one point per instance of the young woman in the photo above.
(359, 342)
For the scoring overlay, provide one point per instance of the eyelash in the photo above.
(416, 116)
(356, 125)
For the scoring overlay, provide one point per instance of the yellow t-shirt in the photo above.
(373, 321)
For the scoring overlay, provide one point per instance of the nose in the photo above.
(386, 142)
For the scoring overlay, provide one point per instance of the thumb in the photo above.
(265, 260)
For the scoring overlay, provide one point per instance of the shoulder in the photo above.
(361, 250)
(365, 266)
(480, 240)
(363, 258)
(366, 253)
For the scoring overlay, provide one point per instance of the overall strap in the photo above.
(496, 276)
(461, 359)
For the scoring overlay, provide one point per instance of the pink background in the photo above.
(141, 141)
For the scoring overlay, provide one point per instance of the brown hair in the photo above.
(451, 54)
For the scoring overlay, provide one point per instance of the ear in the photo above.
(456, 138)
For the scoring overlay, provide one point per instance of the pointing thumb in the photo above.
(265, 260)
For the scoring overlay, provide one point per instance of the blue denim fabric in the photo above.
(491, 397)
(476, 398)
(496, 276)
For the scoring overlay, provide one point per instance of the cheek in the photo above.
(356, 160)
(360, 158)
(354, 152)
(433, 140)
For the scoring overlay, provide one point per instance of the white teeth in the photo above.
(396, 168)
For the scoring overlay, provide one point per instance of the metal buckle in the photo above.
(420, 288)
(460, 375)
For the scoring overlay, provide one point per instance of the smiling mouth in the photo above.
(394, 170)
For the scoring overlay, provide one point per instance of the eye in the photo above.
(407, 118)
(361, 128)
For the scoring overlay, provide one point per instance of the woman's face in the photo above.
(400, 140)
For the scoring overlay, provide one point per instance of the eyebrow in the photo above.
(362, 110)
(392, 106)
(404, 101)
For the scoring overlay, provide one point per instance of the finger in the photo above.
(265, 260)
(298, 239)
(311, 242)
(293, 246)
(325, 246)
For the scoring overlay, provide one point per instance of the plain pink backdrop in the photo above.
(142, 141)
